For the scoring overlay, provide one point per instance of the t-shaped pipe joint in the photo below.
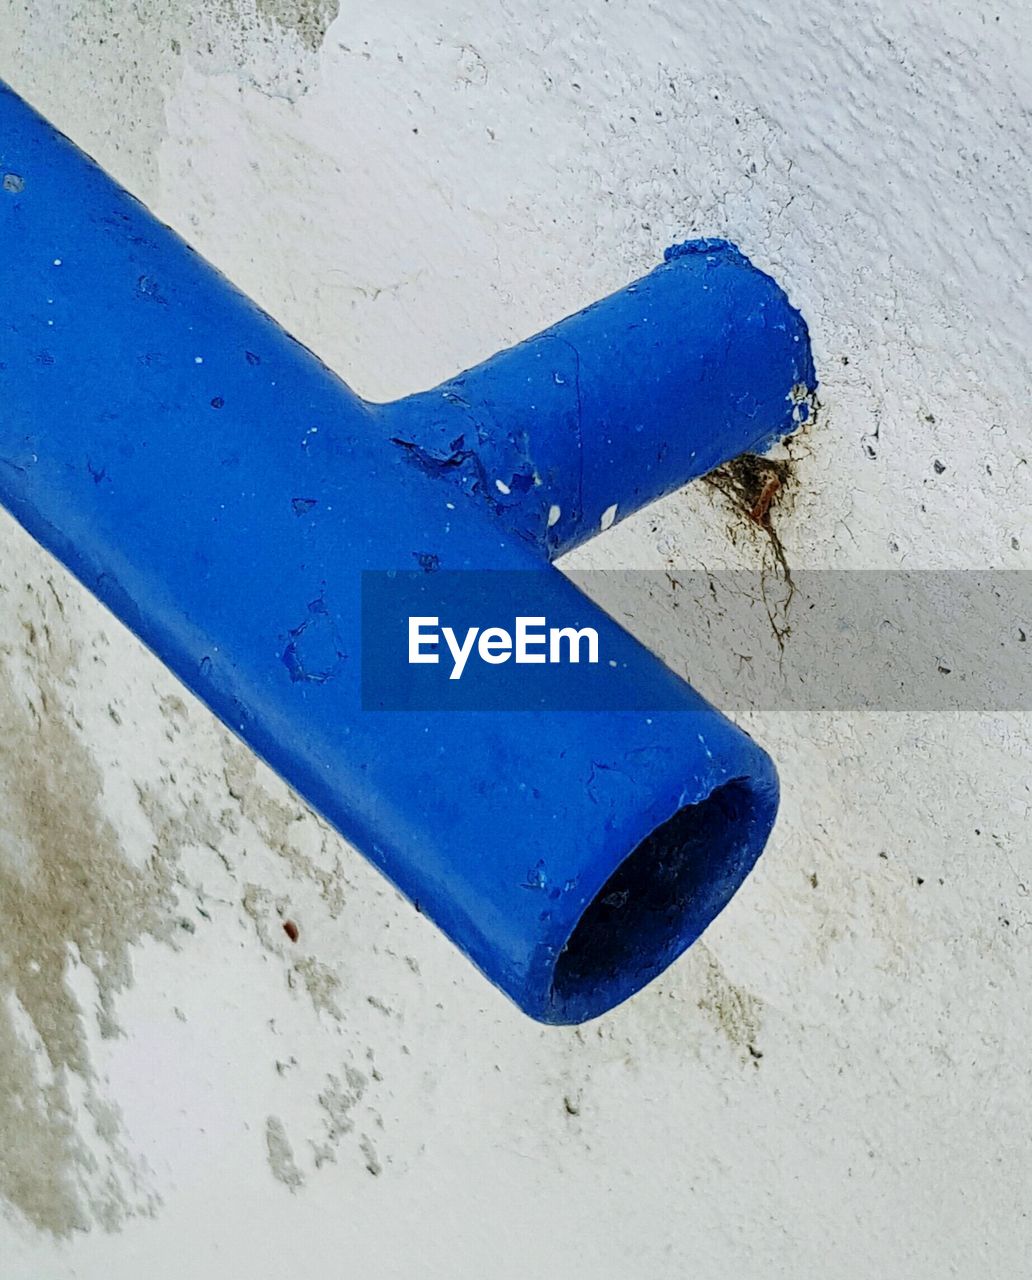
(699, 361)
(222, 493)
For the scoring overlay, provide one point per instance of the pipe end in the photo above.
(660, 899)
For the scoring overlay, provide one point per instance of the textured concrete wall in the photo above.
(836, 1080)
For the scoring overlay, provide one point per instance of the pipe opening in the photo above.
(658, 901)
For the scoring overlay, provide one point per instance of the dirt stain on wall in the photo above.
(735, 1012)
(281, 1155)
(309, 20)
(69, 900)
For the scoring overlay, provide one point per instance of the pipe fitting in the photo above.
(221, 491)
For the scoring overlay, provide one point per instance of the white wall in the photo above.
(186, 1093)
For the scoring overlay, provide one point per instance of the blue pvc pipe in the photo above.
(700, 361)
(221, 491)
